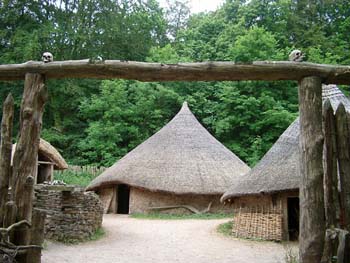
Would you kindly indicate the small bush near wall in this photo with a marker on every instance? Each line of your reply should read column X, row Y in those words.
column 73, row 215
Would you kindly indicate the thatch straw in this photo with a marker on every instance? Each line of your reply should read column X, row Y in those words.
column 182, row 158
column 278, row 170
column 50, row 152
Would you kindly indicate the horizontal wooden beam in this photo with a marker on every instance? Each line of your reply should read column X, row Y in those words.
column 201, row 71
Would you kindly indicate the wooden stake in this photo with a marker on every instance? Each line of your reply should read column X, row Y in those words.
column 343, row 142
column 36, row 236
column 330, row 182
column 10, row 213
column 5, row 153
column 25, row 157
column 330, row 167
column 312, row 223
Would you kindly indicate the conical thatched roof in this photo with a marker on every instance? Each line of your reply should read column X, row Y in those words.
column 50, row 152
column 182, row 158
column 278, row 170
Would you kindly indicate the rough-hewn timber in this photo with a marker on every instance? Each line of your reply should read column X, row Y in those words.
column 330, row 182
column 25, row 157
column 312, row 223
column 330, row 167
column 10, row 213
column 343, row 142
column 201, row 71
column 5, row 153
column 36, row 236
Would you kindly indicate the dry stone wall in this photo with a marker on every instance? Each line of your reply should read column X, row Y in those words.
column 72, row 213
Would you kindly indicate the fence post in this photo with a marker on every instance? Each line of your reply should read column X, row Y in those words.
column 5, row 153
column 312, row 224
column 330, row 181
column 343, row 143
column 25, row 157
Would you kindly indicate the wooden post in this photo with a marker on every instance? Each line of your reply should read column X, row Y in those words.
column 330, row 167
column 5, row 153
column 343, row 143
column 312, row 223
column 330, row 181
column 36, row 236
column 10, row 213
column 25, row 157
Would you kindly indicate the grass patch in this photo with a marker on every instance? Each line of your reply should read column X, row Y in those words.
column 155, row 216
column 99, row 233
column 74, row 178
column 225, row 228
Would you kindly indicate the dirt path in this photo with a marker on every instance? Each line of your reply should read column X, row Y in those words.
column 131, row 240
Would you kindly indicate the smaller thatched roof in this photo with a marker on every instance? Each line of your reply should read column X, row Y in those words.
column 278, row 170
column 50, row 152
column 181, row 158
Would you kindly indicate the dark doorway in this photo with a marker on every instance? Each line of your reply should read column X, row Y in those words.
column 123, row 199
column 293, row 218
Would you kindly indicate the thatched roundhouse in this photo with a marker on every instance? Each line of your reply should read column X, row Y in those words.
column 266, row 200
column 181, row 164
column 49, row 159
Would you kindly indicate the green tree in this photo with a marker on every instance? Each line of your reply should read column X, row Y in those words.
column 121, row 116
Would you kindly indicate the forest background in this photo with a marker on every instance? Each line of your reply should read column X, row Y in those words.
column 96, row 122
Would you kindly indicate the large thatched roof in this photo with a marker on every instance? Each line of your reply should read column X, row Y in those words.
column 182, row 158
column 278, row 170
column 50, row 152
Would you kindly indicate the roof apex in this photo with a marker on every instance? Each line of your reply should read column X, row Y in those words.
column 182, row 158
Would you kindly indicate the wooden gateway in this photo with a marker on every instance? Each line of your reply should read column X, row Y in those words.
column 180, row 165
column 266, row 199
column 310, row 77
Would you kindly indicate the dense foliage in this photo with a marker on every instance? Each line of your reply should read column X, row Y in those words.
column 97, row 122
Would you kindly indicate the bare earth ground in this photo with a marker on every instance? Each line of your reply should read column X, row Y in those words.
column 129, row 240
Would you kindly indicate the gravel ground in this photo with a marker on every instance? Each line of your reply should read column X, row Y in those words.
column 130, row 240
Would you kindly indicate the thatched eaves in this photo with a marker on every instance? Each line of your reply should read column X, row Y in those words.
column 181, row 158
column 278, row 170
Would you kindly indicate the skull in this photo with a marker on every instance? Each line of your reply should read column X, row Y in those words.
column 296, row 55
column 47, row 57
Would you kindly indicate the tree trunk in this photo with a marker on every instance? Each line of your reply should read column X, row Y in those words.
column 36, row 236
column 312, row 223
column 5, row 153
column 25, row 157
column 343, row 142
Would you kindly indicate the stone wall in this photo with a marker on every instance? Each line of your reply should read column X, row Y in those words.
column 141, row 200
column 72, row 213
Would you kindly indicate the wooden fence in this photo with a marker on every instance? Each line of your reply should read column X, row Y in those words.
column 336, row 183
column 95, row 170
